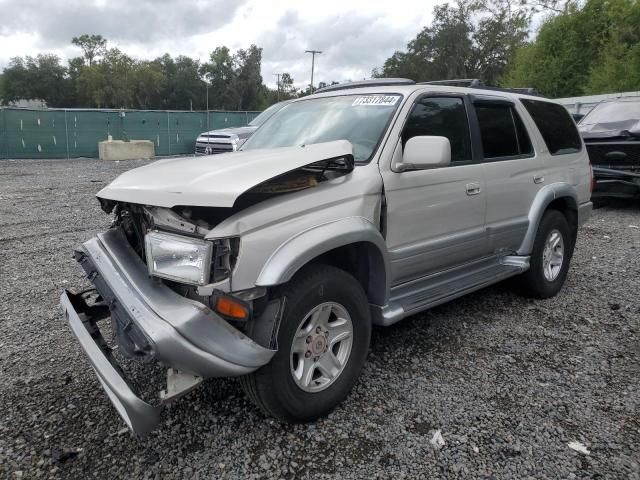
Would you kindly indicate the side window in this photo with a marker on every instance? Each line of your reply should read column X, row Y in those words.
column 502, row 132
column 556, row 126
column 443, row 117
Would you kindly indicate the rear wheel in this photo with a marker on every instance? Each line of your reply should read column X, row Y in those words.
column 323, row 341
column 552, row 251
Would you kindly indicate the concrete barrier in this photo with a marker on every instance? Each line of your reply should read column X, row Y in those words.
column 120, row 150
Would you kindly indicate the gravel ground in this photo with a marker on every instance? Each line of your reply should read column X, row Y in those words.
column 509, row 382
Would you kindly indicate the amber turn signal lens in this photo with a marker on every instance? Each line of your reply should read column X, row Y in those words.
column 231, row 308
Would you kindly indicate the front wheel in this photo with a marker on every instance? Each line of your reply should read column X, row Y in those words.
column 552, row 251
column 323, row 342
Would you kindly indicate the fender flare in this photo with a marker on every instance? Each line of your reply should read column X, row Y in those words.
column 544, row 197
column 304, row 247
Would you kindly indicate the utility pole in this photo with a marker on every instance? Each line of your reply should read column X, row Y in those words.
column 278, row 75
column 313, row 61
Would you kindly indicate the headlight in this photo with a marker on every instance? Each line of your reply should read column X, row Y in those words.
column 235, row 142
column 175, row 257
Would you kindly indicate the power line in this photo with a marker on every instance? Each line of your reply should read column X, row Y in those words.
column 313, row 61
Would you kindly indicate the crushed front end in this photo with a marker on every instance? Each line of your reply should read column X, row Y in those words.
column 156, row 317
column 616, row 167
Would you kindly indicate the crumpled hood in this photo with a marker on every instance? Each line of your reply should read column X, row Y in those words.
column 623, row 128
column 201, row 181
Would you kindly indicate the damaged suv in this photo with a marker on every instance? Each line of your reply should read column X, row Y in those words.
column 357, row 206
column 611, row 132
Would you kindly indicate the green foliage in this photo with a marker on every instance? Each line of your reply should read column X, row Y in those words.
column 91, row 45
column 471, row 39
column 109, row 78
column 588, row 49
column 42, row 77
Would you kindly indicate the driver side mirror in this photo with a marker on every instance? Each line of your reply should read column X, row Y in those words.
column 425, row 152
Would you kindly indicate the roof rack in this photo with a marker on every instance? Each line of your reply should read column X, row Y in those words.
column 456, row 82
column 477, row 83
column 376, row 82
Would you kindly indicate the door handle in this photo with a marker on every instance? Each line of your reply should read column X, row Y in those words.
column 538, row 178
column 473, row 188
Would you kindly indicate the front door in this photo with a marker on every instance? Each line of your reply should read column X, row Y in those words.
column 435, row 217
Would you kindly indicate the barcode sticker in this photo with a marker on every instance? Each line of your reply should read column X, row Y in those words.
column 376, row 100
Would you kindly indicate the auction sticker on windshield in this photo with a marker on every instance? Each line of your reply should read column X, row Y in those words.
column 376, row 100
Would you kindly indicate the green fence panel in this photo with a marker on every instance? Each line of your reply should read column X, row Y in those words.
column 184, row 128
column 4, row 153
column 228, row 119
column 75, row 133
column 87, row 128
column 147, row 125
column 35, row 134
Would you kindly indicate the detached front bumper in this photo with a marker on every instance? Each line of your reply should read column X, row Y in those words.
column 620, row 183
column 150, row 319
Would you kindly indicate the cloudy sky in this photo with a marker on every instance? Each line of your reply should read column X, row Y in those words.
column 354, row 35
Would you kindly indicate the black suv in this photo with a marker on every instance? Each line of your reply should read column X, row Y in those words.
column 611, row 132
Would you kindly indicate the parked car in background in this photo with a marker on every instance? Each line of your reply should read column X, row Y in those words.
column 611, row 132
column 360, row 205
column 231, row 139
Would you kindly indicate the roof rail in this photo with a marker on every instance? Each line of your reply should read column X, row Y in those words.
column 375, row 82
column 477, row 83
column 456, row 82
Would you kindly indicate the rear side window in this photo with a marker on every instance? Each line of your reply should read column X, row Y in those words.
column 556, row 126
column 502, row 132
column 443, row 117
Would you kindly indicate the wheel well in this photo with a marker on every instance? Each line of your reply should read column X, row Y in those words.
column 567, row 206
column 364, row 261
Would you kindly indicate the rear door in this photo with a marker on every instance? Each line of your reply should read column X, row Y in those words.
column 513, row 170
column 435, row 217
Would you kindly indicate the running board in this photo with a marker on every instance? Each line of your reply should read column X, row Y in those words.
column 427, row 292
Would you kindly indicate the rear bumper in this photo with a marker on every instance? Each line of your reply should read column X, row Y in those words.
column 150, row 319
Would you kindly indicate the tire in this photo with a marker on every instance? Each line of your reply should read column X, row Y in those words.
column 535, row 282
column 273, row 387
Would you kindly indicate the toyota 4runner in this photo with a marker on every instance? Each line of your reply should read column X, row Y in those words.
column 357, row 206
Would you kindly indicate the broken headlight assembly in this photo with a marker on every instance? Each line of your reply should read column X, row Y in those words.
column 190, row 260
column 179, row 258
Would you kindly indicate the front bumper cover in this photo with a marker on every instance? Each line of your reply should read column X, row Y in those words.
column 620, row 183
column 178, row 332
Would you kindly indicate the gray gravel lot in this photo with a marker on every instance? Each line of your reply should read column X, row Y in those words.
column 510, row 382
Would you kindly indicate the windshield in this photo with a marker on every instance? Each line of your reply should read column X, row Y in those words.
column 264, row 116
column 608, row 112
column 360, row 119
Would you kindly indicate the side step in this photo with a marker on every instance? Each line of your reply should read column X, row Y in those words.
column 423, row 293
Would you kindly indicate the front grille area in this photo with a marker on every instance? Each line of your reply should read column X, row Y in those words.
column 615, row 154
column 213, row 148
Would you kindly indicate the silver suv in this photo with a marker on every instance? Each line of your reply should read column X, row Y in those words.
column 231, row 139
column 357, row 206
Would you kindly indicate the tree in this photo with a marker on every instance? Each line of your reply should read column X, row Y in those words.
column 92, row 86
column 219, row 73
column 182, row 85
column 92, row 46
column 42, row 77
column 146, row 84
column 590, row 48
column 287, row 89
column 471, row 39
column 247, row 82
